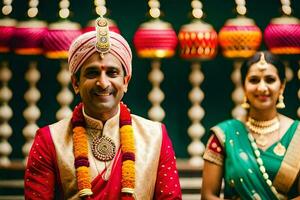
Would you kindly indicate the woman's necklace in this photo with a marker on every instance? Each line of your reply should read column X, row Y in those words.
column 262, row 129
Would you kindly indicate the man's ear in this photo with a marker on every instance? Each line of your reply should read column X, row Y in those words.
column 125, row 86
column 75, row 84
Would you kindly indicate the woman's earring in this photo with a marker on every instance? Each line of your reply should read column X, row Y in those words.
column 245, row 104
column 280, row 103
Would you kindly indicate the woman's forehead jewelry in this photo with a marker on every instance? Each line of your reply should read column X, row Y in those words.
column 262, row 63
column 102, row 35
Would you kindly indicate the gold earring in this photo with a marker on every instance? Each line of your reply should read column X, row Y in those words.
column 280, row 103
column 245, row 104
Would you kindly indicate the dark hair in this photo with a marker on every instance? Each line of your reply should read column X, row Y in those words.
column 270, row 58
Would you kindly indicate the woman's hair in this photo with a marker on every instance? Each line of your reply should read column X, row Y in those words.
column 270, row 58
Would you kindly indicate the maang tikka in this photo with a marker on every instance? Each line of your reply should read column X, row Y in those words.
column 102, row 36
column 262, row 63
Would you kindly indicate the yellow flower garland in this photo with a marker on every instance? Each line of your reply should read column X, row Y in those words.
column 80, row 142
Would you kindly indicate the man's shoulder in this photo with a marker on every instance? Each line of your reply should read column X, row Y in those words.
column 62, row 122
column 137, row 118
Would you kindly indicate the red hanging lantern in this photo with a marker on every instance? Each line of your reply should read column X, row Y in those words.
column 198, row 40
column 155, row 39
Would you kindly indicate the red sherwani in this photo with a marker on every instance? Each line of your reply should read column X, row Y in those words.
column 50, row 171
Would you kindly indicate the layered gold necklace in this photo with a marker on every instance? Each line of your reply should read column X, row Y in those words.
column 262, row 129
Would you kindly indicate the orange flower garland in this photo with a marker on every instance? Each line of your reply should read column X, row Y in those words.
column 80, row 142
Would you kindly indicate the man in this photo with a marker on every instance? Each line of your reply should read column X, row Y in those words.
column 102, row 151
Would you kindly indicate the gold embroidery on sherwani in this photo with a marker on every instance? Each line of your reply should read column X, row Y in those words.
column 290, row 165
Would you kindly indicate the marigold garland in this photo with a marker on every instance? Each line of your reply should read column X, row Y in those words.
column 80, row 142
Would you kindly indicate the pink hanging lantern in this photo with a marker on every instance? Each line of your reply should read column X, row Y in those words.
column 28, row 37
column 155, row 39
column 282, row 35
column 239, row 38
column 61, row 34
column 198, row 40
column 7, row 28
column 59, row 37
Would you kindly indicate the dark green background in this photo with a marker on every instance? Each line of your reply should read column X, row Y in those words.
column 217, row 85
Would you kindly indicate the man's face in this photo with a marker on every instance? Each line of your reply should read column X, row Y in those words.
column 101, row 85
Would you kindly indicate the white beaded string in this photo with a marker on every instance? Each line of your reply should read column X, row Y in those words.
column 241, row 7
column 261, row 165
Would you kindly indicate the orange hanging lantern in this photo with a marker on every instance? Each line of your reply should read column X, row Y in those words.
column 240, row 37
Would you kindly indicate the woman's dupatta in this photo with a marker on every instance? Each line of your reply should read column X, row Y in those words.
column 241, row 168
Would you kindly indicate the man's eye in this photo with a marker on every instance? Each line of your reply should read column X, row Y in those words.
column 91, row 74
column 112, row 73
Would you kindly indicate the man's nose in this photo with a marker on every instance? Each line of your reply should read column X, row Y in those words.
column 102, row 81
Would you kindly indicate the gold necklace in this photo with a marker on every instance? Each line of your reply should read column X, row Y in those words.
column 263, row 128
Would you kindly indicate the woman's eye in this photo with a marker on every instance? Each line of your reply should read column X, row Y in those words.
column 254, row 80
column 270, row 79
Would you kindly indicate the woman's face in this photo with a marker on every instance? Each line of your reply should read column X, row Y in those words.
column 263, row 86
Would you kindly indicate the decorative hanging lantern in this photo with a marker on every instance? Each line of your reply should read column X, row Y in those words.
column 7, row 27
column 198, row 41
column 101, row 10
column 27, row 40
column 239, row 38
column 28, row 36
column 61, row 34
column 155, row 39
column 56, row 44
column 282, row 35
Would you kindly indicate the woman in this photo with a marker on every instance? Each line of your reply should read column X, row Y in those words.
column 259, row 155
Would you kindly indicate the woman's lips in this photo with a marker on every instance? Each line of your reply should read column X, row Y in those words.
column 263, row 97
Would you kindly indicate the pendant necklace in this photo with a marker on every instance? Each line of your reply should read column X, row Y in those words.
column 279, row 149
column 103, row 147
